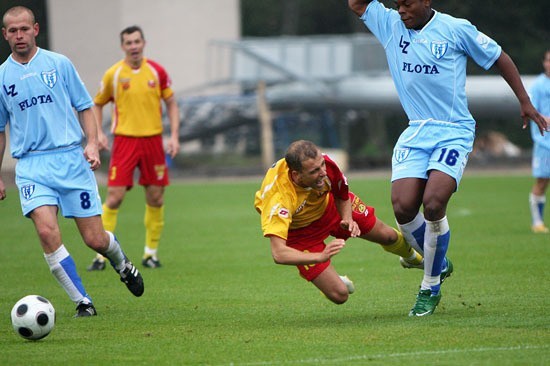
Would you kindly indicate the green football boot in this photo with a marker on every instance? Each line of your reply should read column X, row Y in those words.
column 425, row 303
column 447, row 271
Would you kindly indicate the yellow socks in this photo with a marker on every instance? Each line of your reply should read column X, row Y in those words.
column 403, row 249
column 109, row 219
column 154, row 224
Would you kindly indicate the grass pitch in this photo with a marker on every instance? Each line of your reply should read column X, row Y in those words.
column 220, row 299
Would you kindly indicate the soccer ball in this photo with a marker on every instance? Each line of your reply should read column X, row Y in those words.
column 33, row 317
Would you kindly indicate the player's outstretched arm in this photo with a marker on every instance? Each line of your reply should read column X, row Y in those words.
column 358, row 6
column 283, row 254
column 510, row 73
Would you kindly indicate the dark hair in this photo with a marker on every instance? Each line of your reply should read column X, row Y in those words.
column 129, row 30
column 300, row 151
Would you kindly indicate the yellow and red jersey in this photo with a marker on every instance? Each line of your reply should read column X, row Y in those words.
column 285, row 206
column 136, row 94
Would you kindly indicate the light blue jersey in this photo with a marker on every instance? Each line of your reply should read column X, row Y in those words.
column 37, row 99
column 428, row 66
column 540, row 97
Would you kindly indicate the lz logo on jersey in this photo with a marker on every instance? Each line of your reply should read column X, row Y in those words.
column 10, row 90
column 404, row 45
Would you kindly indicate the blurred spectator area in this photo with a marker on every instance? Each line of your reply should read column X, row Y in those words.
column 334, row 90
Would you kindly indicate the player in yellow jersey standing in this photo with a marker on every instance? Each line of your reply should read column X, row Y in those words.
column 304, row 198
column 136, row 85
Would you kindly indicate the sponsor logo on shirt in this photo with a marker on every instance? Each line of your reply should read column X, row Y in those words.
column 420, row 41
column 39, row 99
column 30, row 74
column 283, row 213
column 420, row 69
column 301, row 207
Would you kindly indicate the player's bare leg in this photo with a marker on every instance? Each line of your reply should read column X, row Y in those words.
column 332, row 286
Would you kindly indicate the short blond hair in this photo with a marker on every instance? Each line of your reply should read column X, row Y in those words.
column 16, row 10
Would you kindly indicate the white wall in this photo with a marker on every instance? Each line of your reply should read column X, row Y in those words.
column 177, row 34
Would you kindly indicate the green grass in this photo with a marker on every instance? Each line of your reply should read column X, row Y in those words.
column 220, row 299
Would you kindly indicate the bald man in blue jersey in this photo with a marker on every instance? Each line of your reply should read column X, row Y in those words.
column 427, row 53
column 40, row 90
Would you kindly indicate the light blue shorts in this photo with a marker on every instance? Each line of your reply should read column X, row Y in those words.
column 541, row 162
column 432, row 145
column 60, row 178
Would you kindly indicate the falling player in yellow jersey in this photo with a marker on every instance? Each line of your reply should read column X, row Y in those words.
column 136, row 86
column 304, row 198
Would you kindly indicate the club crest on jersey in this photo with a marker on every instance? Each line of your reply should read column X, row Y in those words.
column 401, row 155
column 49, row 77
column 439, row 48
column 27, row 191
column 125, row 82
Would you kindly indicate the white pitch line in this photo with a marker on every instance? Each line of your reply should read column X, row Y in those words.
column 387, row 355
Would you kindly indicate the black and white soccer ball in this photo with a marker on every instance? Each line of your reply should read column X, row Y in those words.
column 33, row 317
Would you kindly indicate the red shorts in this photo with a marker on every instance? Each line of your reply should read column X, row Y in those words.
column 145, row 153
column 312, row 238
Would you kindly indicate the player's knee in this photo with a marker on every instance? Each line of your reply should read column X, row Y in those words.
column 434, row 209
column 388, row 235
column 113, row 203
column 338, row 298
column 49, row 235
column 404, row 214
column 338, row 294
column 97, row 241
